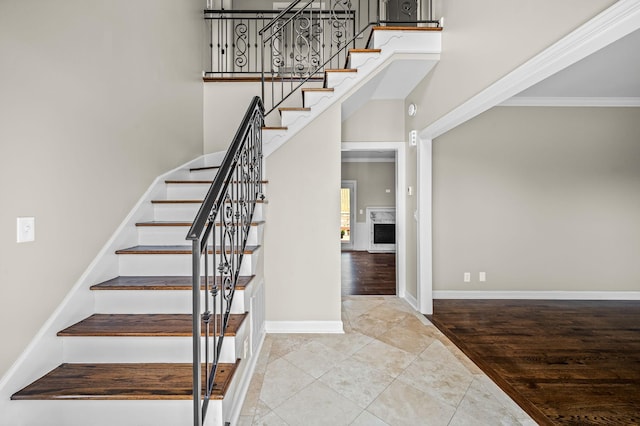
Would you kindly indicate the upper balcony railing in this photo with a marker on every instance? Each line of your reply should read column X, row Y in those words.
column 301, row 36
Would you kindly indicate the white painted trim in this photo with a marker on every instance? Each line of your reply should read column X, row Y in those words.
column 352, row 185
column 246, row 381
column 425, row 227
column 542, row 295
column 411, row 301
column 571, row 101
column 617, row 21
column 401, row 222
column 401, row 203
column 278, row 327
column 368, row 160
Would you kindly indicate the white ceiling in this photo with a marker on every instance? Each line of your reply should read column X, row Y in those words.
column 612, row 72
column 396, row 81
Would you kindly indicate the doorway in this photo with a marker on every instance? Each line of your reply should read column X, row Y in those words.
column 377, row 173
column 347, row 214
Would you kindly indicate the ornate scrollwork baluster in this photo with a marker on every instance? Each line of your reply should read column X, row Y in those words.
column 241, row 45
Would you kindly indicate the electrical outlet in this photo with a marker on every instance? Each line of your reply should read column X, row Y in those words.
column 482, row 276
column 467, row 277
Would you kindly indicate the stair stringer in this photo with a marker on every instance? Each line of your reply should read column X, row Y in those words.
column 395, row 45
column 46, row 351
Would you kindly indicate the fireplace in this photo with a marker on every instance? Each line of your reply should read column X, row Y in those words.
column 381, row 222
column 384, row 233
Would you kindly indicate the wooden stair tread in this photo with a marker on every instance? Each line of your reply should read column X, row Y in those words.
column 195, row 169
column 348, row 58
column 147, row 325
column 161, row 223
column 342, row 70
column 179, row 201
column 404, row 28
column 198, row 182
column 159, row 283
column 116, row 381
column 365, row 50
column 175, row 250
column 318, row 89
column 276, row 128
column 257, row 79
column 294, row 109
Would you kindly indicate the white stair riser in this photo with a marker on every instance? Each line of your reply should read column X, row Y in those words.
column 171, row 264
column 107, row 413
column 408, row 41
column 289, row 118
column 358, row 59
column 208, row 174
column 147, row 349
column 157, row 302
column 187, row 212
column 313, row 98
column 176, row 235
column 190, row 191
column 336, row 79
column 187, row 191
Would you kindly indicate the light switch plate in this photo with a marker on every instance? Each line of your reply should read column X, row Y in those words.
column 26, row 229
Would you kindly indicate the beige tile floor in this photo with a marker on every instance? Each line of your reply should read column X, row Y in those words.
column 391, row 367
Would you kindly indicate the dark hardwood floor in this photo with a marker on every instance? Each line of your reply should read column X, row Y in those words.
column 564, row 362
column 365, row 273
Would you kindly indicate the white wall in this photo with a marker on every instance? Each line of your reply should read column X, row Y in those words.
column 302, row 231
column 540, row 199
column 484, row 40
column 225, row 104
column 97, row 98
column 374, row 179
column 376, row 121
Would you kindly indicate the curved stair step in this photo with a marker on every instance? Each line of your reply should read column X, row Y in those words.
column 197, row 169
column 161, row 223
column 195, row 201
column 142, row 325
column 177, row 250
column 121, row 381
column 159, row 283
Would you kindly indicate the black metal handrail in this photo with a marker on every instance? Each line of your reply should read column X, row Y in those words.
column 229, row 205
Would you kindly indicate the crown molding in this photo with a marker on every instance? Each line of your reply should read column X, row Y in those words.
column 572, row 101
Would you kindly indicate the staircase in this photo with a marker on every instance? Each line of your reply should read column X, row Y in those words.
column 125, row 358
column 130, row 362
column 394, row 57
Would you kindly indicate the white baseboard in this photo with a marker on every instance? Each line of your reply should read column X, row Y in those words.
column 246, row 381
column 277, row 327
column 541, row 295
column 411, row 300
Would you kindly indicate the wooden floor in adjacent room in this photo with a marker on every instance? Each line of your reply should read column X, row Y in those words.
column 365, row 273
column 563, row 362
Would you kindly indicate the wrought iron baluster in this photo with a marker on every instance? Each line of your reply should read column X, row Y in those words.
column 226, row 203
